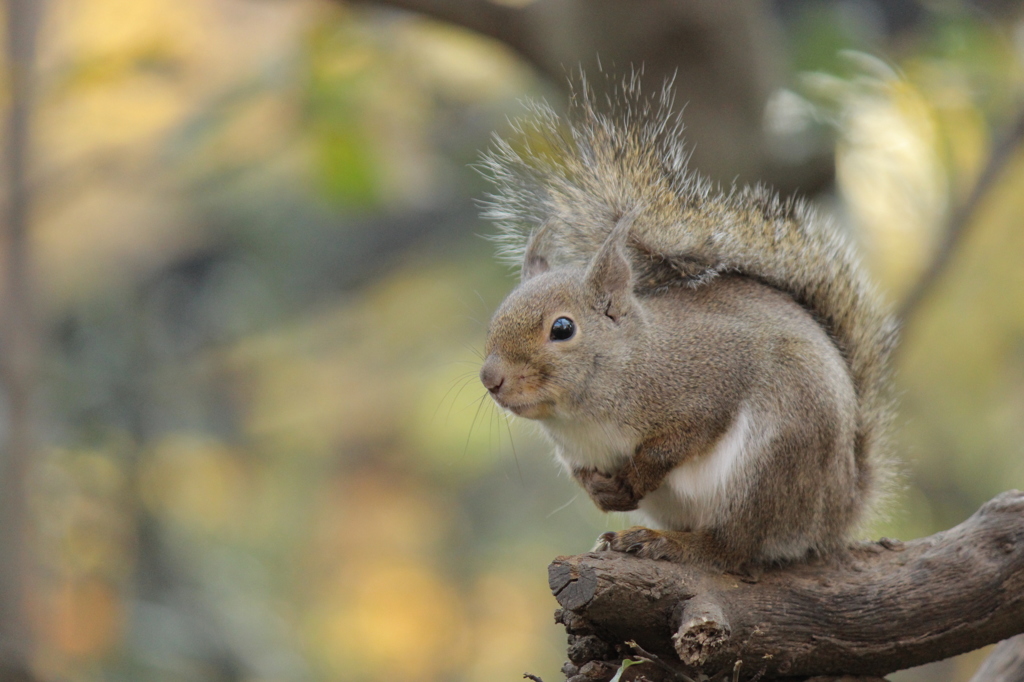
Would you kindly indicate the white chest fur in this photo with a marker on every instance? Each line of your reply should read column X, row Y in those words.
column 697, row 492
column 591, row 444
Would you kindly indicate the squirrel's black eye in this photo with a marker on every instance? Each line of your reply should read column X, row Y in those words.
column 562, row 329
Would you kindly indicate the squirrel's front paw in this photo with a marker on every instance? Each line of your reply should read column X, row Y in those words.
column 645, row 543
column 610, row 493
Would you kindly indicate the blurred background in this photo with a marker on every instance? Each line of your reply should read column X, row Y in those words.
column 244, row 291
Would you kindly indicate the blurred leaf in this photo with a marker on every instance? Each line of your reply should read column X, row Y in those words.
column 626, row 664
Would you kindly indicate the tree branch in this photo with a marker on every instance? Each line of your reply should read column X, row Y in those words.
column 881, row 607
column 725, row 59
column 961, row 218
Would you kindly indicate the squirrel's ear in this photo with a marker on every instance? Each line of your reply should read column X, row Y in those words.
column 609, row 275
column 534, row 260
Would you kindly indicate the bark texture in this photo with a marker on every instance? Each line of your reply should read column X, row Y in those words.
column 878, row 608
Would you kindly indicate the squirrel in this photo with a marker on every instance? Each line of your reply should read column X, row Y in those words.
column 717, row 360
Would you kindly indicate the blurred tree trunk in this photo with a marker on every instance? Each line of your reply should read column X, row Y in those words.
column 726, row 58
column 17, row 348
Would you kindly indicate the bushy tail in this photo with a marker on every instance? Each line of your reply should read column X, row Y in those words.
column 578, row 174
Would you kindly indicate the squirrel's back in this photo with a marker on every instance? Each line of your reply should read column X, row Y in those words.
column 567, row 181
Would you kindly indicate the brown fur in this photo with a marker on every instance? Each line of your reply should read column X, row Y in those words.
column 728, row 375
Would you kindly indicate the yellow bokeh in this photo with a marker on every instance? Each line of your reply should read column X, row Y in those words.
column 196, row 481
column 380, row 514
column 892, row 178
column 391, row 620
column 509, row 616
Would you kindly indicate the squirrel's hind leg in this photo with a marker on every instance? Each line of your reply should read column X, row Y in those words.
column 681, row 547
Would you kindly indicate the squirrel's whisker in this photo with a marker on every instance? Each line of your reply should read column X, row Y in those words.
column 469, row 436
column 503, row 417
column 461, row 381
column 471, row 403
column 473, row 350
column 564, row 506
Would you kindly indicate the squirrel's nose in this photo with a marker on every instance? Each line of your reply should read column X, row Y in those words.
column 491, row 378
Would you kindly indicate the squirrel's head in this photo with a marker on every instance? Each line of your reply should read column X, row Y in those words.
column 562, row 331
